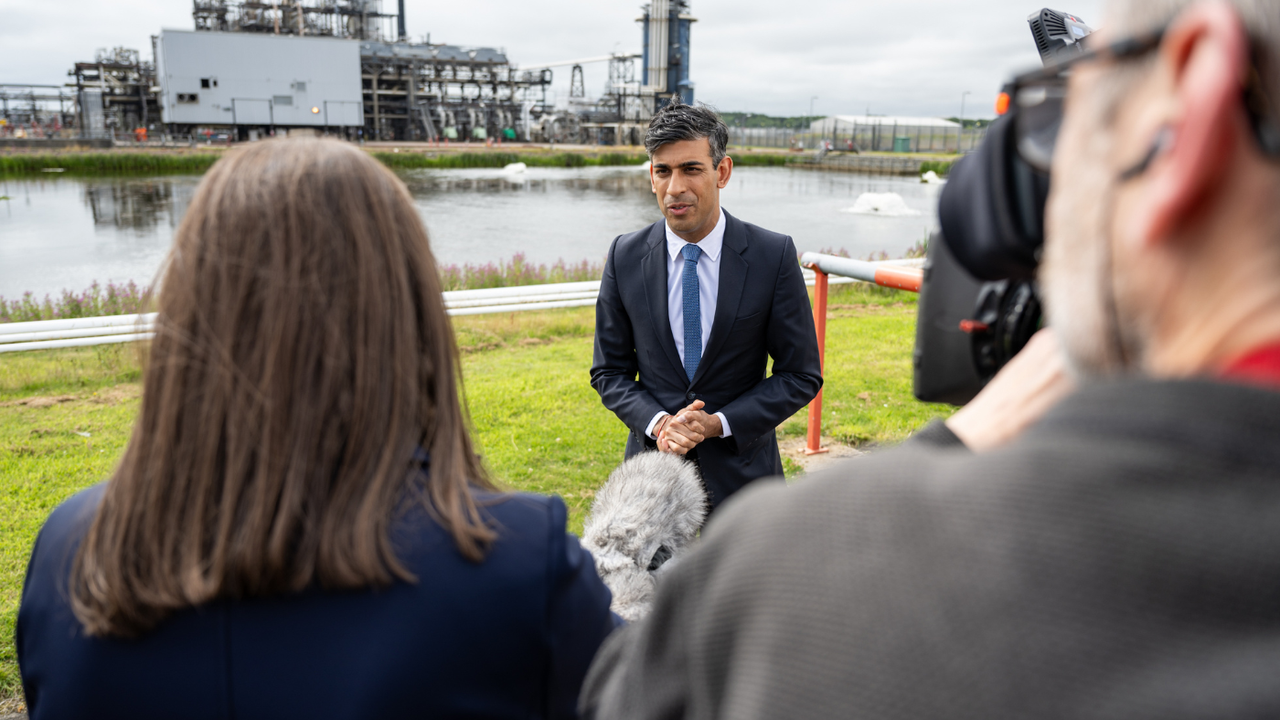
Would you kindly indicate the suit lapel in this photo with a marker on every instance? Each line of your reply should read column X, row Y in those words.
column 733, row 276
column 654, row 270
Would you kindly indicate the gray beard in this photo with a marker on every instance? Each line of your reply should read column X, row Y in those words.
column 1084, row 299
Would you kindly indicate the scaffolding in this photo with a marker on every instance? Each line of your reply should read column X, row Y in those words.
column 447, row 92
column 351, row 19
column 36, row 111
column 115, row 94
column 621, row 115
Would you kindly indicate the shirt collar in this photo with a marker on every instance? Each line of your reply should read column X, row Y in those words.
column 711, row 244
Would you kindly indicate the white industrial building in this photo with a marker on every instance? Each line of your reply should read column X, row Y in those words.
column 256, row 80
column 829, row 124
column 893, row 133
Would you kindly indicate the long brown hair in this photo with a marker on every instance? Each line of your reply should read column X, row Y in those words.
column 302, row 355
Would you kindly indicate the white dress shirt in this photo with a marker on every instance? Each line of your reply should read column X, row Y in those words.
column 708, row 268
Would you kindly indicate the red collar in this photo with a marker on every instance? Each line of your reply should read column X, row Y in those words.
column 1260, row 367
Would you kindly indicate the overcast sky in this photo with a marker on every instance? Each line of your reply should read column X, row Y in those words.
column 907, row 57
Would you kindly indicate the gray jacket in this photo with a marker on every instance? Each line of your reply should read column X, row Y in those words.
column 1120, row 560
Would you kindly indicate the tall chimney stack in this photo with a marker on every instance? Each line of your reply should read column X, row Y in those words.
column 402, row 33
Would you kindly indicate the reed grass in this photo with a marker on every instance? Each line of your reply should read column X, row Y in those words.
column 122, row 163
column 761, row 159
column 941, row 167
column 195, row 163
column 123, row 299
column 516, row 271
column 129, row 298
column 463, row 160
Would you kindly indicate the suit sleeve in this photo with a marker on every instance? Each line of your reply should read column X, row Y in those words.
column 792, row 343
column 578, row 615
column 615, row 368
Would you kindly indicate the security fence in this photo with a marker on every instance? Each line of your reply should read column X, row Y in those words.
column 872, row 137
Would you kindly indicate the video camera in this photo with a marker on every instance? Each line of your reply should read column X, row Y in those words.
column 980, row 303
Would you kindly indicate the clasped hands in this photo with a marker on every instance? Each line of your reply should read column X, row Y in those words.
column 683, row 431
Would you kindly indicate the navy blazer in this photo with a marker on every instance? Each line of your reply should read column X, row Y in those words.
column 762, row 312
column 510, row 637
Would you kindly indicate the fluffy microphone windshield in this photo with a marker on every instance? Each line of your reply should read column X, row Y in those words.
column 642, row 519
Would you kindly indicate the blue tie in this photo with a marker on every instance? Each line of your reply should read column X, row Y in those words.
column 692, row 310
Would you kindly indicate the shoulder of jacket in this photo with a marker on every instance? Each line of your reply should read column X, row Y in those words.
column 854, row 495
column 637, row 240
column 757, row 234
column 762, row 244
column 526, row 512
column 767, row 237
column 76, row 512
column 67, row 524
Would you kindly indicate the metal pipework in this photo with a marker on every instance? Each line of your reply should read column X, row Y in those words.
column 659, row 29
column 885, row 274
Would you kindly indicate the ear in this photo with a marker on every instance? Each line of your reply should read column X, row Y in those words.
column 723, row 172
column 1205, row 57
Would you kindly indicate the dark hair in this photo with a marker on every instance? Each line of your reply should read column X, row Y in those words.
column 302, row 357
column 677, row 121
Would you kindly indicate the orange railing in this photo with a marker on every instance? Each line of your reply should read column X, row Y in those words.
column 888, row 274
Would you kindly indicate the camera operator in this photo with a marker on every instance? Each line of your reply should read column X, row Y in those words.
column 1118, row 557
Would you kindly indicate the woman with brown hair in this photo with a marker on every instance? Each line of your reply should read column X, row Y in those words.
column 300, row 525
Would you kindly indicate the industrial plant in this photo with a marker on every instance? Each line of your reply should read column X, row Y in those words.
column 344, row 67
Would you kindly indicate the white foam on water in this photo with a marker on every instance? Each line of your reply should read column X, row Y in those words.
column 931, row 178
column 518, row 167
column 882, row 204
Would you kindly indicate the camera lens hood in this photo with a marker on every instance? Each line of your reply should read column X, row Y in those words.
column 992, row 208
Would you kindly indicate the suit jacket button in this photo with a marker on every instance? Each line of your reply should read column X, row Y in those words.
column 691, row 396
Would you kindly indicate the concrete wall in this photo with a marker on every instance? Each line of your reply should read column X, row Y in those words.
column 214, row 78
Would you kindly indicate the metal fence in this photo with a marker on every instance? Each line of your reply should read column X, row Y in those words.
column 76, row 332
column 762, row 137
column 863, row 138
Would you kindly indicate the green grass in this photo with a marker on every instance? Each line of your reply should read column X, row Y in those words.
column 413, row 160
column 82, row 370
column 941, row 167
column 44, row 458
column 537, row 421
column 747, row 159
column 155, row 163
column 116, row 163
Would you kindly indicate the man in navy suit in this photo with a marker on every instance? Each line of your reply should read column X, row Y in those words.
column 696, row 306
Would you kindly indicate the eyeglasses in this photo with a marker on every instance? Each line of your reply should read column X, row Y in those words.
column 1036, row 99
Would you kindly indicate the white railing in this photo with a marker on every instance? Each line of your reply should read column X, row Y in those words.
column 77, row 332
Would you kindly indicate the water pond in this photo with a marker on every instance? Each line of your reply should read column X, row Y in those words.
column 61, row 233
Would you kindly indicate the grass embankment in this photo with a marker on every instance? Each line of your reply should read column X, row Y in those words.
column 413, row 160
column 65, row 415
column 110, row 163
column 941, row 167
column 131, row 162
